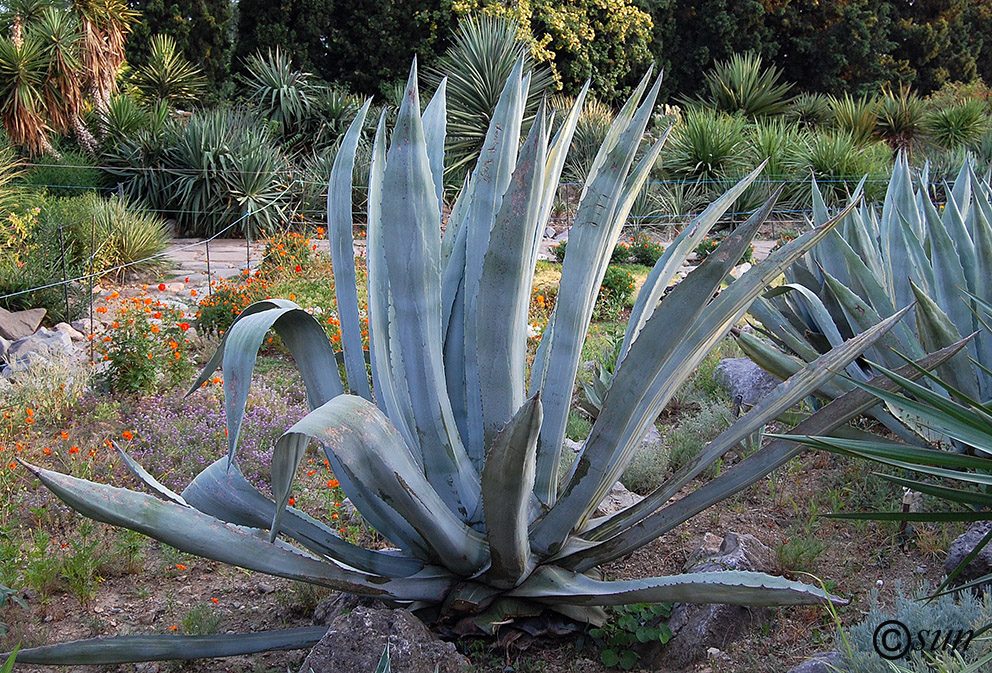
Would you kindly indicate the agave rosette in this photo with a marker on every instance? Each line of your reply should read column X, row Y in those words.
column 452, row 450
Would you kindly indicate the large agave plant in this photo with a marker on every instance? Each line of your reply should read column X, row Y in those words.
column 452, row 450
column 877, row 262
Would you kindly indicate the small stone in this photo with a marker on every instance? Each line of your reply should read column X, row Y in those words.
column 617, row 499
column 964, row 545
column 147, row 618
column 73, row 333
column 264, row 588
column 746, row 382
column 713, row 652
column 822, row 662
column 549, row 232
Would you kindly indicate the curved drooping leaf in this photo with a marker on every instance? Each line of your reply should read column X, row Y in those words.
column 224, row 493
column 131, row 649
column 371, row 460
column 556, row 585
column 305, row 339
column 192, row 531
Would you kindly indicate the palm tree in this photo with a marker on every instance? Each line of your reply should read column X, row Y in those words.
column 105, row 25
column 51, row 58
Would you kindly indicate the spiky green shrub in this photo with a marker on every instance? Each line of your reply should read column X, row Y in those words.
column 168, row 76
column 706, row 144
column 280, row 92
column 590, row 132
column 956, row 125
column 839, row 162
column 901, row 120
column 743, row 85
column 809, row 109
column 450, row 453
column 879, row 261
column 481, row 57
column 855, row 116
column 222, row 167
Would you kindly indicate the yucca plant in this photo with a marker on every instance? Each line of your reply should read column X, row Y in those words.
column 168, row 76
column 957, row 125
column 743, row 85
column 877, row 262
column 809, row 109
column 475, row 66
column 901, row 119
column 280, row 92
column 839, row 162
column 706, row 144
column 450, row 452
column 855, row 116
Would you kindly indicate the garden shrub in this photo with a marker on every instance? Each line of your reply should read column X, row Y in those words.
column 960, row 611
column 620, row 254
column 71, row 174
column 643, row 250
column 31, row 257
column 146, row 346
column 615, row 291
column 289, row 250
column 558, row 250
column 115, row 231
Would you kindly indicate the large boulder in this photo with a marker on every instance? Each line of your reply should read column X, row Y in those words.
column 44, row 343
column 700, row 628
column 962, row 546
column 745, row 381
column 355, row 642
column 16, row 325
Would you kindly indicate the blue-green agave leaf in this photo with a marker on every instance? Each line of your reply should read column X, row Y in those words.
column 192, row 531
column 369, row 452
column 507, row 489
column 340, row 221
column 225, row 494
column 131, row 649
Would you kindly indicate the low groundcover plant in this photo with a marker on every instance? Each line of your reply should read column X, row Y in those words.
column 450, row 452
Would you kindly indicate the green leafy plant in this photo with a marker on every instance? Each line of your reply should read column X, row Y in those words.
column 147, row 346
column 644, row 250
column 615, row 291
column 167, row 77
column 620, row 254
column 629, row 626
column 281, row 93
column 957, row 125
column 743, row 85
column 558, row 250
column 459, row 469
column 706, row 144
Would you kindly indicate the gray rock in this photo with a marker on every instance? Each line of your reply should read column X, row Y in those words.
column 697, row 628
column 562, row 236
column 573, row 445
column 4, row 346
column 44, row 343
column 355, row 642
column 20, row 324
column 337, row 605
column 549, row 232
column 964, row 545
column 617, row 499
column 73, row 333
column 746, row 382
column 822, row 662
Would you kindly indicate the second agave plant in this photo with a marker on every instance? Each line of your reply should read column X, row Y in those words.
column 449, row 445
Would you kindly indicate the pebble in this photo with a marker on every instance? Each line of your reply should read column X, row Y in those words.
column 265, row 588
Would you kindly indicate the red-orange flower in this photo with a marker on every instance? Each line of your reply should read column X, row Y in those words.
column 161, row 287
column 183, row 326
column 128, row 435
